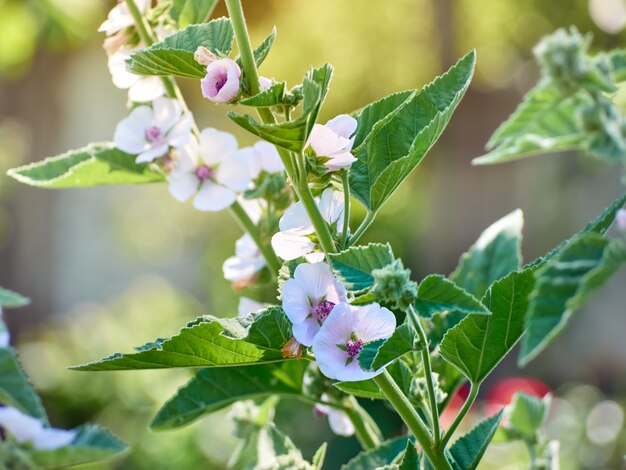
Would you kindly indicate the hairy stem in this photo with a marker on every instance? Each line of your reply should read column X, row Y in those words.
column 346, row 208
column 406, row 411
column 250, row 227
column 462, row 412
column 365, row 224
column 367, row 432
column 319, row 224
column 428, row 374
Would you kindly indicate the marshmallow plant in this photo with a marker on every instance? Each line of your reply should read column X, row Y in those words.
column 323, row 319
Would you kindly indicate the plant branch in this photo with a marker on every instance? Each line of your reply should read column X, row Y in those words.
column 428, row 374
column 319, row 224
column 367, row 432
column 346, row 208
column 462, row 412
column 365, row 224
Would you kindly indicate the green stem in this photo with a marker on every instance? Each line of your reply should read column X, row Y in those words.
column 428, row 374
column 459, row 417
column 250, row 227
column 367, row 432
column 346, row 208
column 406, row 411
column 365, row 224
column 319, row 224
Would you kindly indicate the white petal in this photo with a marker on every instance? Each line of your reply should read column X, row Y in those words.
column 254, row 163
column 234, row 172
column 180, row 134
column 21, row 426
column 331, row 207
column 319, row 283
column 374, row 322
column 305, row 331
column 183, row 185
column 51, row 438
column 340, row 161
column 253, row 207
column 146, row 89
column 245, row 247
column 167, row 112
column 295, row 220
column 315, row 257
column 296, row 303
column 340, row 423
column 187, row 157
column 268, row 157
column 151, row 153
column 247, row 306
column 5, row 339
column 325, row 142
column 213, row 197
column 344, row 126
column 130, row 133
column 216, row 145
column 121, row 77
column 239, row 269
column 288, row 246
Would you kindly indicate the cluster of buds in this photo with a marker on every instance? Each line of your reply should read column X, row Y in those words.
column 393, row 285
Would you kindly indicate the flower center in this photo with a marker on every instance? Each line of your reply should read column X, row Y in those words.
column 323, row 309
column 153, row 134
column 353, row 347
column 219, row 84
column 204, row 173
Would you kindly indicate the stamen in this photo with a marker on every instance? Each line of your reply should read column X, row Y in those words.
column 204, row 173
column 353, row 347
column 153, row 134
column 323, row 309
column 220, row 84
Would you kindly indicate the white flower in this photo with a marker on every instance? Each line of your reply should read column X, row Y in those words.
column 263, row 156
column 247, row 261
column 620, row 219
column 247, row 306
column 222, row 81
column 215, row 171
column 342, row 336
column 120, row 18
column 140, row 89
column 151, row 131
column 26, row 429
column 5, row 337
column 295, row 227
column 309, row 297
column 334, row 141
column 253, row 207
column 339, row 422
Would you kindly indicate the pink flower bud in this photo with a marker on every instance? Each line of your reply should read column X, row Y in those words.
column 620, row 219
column 222, row 81
column 264, row 83
column 204, row 56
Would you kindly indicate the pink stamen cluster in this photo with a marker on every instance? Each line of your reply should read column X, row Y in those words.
column 153, row 134
column 353, row 347
column 323, row 309
column 204, row 173
column 220, row 82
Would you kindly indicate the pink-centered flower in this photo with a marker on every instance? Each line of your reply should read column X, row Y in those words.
column 28, row 430
column 294, row 239
column 620, row 219
column 263, row 156
column 308, row 299
column 150, row 131
column 214, row 170
column 247, row 261
column 120, row 18
column 222, row 81
column 334, row 141
column 341, row 338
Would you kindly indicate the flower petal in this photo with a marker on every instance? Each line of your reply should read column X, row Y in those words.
column 374, row 322
column 130, row 133
column 234, row 172
column 306, row 331
column 146, row 89
column 183, row 185
column 151, row 153
column 216, row 145
column 288, row 246
column 325, row 142
column 344, row 126
column 340, row 161
column 51, row 438
column 21, row 426
column 239, row 269
column 180, row 134
column 167, row 112
column 319, row 283
column 331, row 207
column 269, row 159
column 296, row 302
column 213, row 197
column 296, row 221
column 340, row 423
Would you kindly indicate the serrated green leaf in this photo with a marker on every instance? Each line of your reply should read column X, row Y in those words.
column 388, row 156
column 15, row 388
column 175, row 54
column 318, row 458
column 273, row 96
column 94, row 165
column 187, row 12
column 495, row 254
column 477, row 344
column 564, row 284
column 410, row 459
column 354, row 266
column 379, row 353
column 213, row 389
column 526, row 414
column 469, row 449
column 91, row 444
column 437, row 294
column 10, row 299
column 263, row 49
column 382, row 455
column 398, row 370
column 210, row 342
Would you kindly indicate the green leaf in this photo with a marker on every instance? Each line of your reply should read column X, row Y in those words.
column 477, row 344
column 273, row 96
column 318, row 458
column 213, row 389
column 93, row 165
column 437, row 294
column 617, row 58
column 545, row 121
column 354, row 266
column 174, row 55
column 526, row 414
column 382, row 455
column 187, row 12
column 9, row 299
column 91, row 444
column 210, row 342
column 563, row 286
column 395, row 148
column 377, row 354
column 15, row 389
column 398, row 370
column 469, row 449
column 410, row 460
column 495, row 254
column 260, row 53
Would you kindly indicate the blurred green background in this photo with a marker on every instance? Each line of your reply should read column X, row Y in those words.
column 111, row 268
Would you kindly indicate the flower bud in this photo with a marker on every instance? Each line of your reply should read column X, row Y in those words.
column 222, row 81
column 291, row 349
column 393, row 285
column 204, row 56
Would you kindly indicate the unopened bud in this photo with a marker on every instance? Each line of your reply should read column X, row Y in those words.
column 292, row 349
column 393, row 284
column 204, row 56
